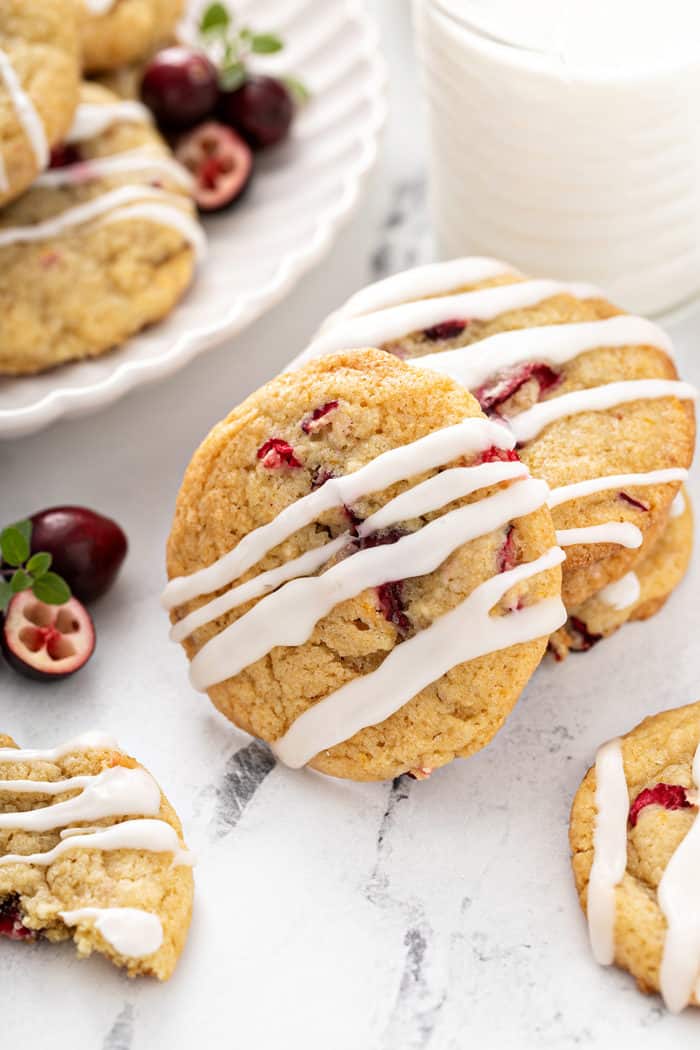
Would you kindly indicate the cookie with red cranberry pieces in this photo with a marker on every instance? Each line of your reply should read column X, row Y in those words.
column 39, row 81
column 634, row 839
column 90, row 849
column 591, row 394
column 361, row 571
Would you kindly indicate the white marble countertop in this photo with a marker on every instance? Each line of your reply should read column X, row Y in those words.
column 330, row 915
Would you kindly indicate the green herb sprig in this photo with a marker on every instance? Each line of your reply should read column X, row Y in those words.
column 20, row 570
column 238, row 42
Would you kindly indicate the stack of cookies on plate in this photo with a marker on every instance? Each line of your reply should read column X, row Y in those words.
column 98, row 233
column 372, row 553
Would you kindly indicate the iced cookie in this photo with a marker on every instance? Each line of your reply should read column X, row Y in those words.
column 639, row 594
column 39, row 80
column 103, row 244
column 635, row 842
column 91, row 849
column 120, row 32
column 362, row 573
column 591, row 395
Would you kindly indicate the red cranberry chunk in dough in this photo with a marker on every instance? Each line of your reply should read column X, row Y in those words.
column 507, row 554
column 391, row 605
column 277, row 453
column 318, row 418
column 498, row 455
column 580, row 638
column 670, row 796
column 491, row 395
column 64, row 154
column 638, row 503
column 445, row 330
column 11, row 924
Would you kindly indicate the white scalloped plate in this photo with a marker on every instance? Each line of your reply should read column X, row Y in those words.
column 301, row 195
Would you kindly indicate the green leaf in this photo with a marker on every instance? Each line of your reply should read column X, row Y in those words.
column 5, row 595
column 298, row 90
column 265, row 43
column 14, row 545
column 232, row 76
column 52, row 589
column 20, row 581
column 25, row 527
column 39, row 564
column 215, row 19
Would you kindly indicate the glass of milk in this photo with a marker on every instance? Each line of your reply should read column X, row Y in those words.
column 565, row 138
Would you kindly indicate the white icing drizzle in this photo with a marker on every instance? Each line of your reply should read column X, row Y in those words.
column 434, row 450
column 621, row 593
column 679, row 899
column 565, row 493
column 397, row 321
column 130, row 931
column 623, row 533
column 145, row 159
column 154, row 836
column 114, row 792
column 91, row 119
column 26, row 113
column 610, row 849
column 555, row 344
column 464, row 633
column 155, row 205
column 288, row 616
column 420, row 282
column 171, row 215
column 99, row 7
column 91, row 741
column 678, row 505
column 432, row 494
column 527, row 425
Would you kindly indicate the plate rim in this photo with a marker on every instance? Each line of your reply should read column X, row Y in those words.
column 72, row 402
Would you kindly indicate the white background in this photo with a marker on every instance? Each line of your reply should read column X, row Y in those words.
column 330, row 915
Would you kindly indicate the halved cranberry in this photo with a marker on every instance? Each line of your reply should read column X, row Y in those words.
column 220, row 161
column 63, row 155
column 445, row 330
column 262, row 110
column 11, row 924
column 507, row 555
column 180, row 86
column 46, row 642
column 670, row 796
column 493, row 394
column 276, row 453
column 318, row 418
column 498, row 455
column 639, row 504
column 580, row 638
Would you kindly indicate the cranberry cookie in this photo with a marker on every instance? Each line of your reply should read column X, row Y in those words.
column 103, row 244
column 116, row 33
column 635, row 841
column 638, row 595
column 91, row 849
column 362, row 573
column 591, row 395
column 39, row 80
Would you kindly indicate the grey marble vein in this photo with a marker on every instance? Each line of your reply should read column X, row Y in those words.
column 121, row 1034
column 245, row 771
column 404, row 238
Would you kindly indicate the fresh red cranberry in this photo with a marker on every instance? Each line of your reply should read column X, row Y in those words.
column 670, row 796
column 180, row 86
column 580, row 638
column 318, row 418
column 11, row 924
column 507, row 555
column 639, row 504
column 498, row 455
column 87, row 549
column 63, row 155
column 445, row 330
column 220, row 161
column 493, row 394
column 261, row 110
column 46, row 642
column 276, row 453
